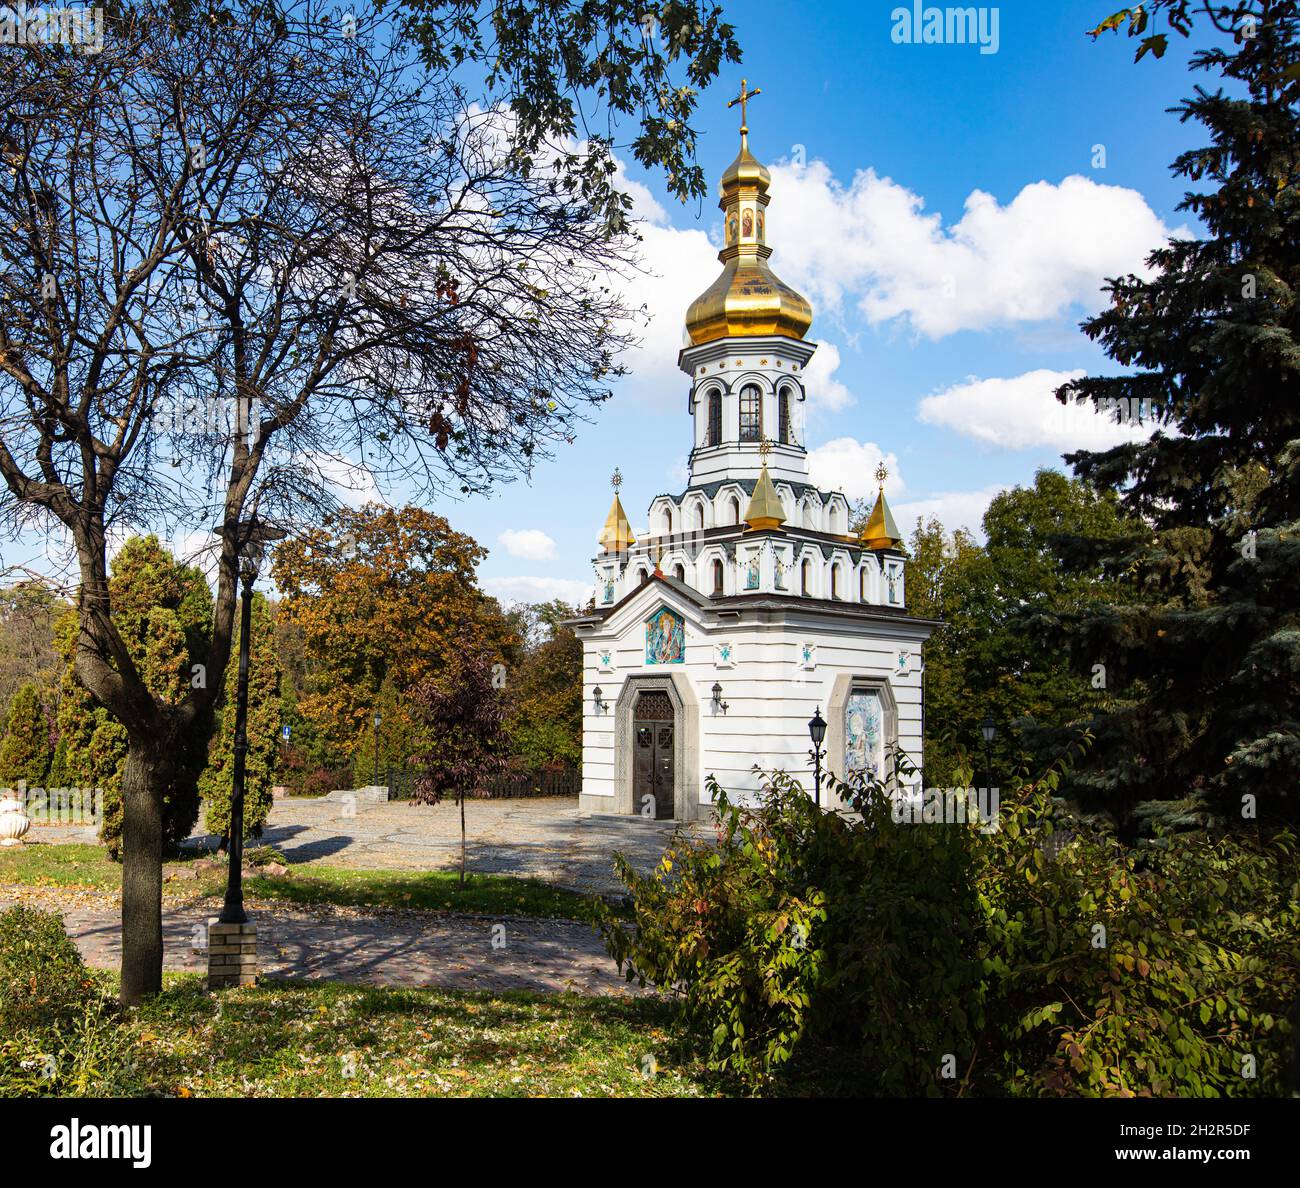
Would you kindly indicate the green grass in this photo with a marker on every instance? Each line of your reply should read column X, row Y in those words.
column 300, row 1039
column 88, row 866
column 60, row 866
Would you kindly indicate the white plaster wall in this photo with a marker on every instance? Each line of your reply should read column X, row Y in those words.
column 770, row 694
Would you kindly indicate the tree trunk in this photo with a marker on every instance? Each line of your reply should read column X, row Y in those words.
column 143, row 781
column 462, row 839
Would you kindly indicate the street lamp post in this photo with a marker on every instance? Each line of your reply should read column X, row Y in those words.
column 378, row 719
column 817, row 732
column 988, row 728
column 253, row 537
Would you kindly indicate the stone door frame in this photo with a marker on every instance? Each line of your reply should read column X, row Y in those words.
column 686, row 742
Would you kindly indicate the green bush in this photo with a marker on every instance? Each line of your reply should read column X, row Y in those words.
column 60, row 1033
column 901, row 959
column 43, row 981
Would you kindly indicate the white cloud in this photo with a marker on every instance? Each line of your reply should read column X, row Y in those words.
column 1020, row 412
column 538, row 589
column 872, row 244
column 953, row 509
column 824, row 390
column 532, row 544
column 848, row 465
column 348, row 481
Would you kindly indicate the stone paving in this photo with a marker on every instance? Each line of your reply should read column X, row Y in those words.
column 544, row 838
column 351, row 945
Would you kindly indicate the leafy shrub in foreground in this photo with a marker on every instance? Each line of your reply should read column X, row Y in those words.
column 43, row 981
column 944, row 959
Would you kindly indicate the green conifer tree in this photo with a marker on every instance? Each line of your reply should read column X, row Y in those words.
column 25, row 751
column 164, row 612
column 1204, row 662
column 263, row 729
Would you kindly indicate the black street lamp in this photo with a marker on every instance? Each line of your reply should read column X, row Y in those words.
column 378, row 720
column 817, row 732
column 252, row 536
column 988, row 728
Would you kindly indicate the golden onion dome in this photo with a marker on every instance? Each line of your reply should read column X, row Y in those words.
column 748, row 299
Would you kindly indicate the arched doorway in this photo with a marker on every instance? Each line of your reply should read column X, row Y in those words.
column 653, row 750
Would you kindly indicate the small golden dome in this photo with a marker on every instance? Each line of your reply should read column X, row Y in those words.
column 748, row 299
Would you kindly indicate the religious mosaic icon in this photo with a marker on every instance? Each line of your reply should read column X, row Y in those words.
column 748, row 227
column 780, row 572
column 609, row 591
column 864, row 734
column 891, row 580
column 724, row 655
column 665, row 638
column 751, row 573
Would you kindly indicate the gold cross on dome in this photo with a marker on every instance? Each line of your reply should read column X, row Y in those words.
column 616, row 479
column 764, row 448
column 743, row 99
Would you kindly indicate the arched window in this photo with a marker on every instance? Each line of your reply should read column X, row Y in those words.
column 715, row 419
column 681, row 577
column 751, row 413
column 645, row 577
column 717, row 579
column 735, row 510
column 835, row 582
column 806, row 575
column 833, row 518
column 668, row 523
column 862, row 585
column 699, row 516
column 783, row 416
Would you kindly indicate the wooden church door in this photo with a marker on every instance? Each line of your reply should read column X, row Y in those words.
column 653, row 729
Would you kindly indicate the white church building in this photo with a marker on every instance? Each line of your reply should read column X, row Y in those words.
column 750, row 605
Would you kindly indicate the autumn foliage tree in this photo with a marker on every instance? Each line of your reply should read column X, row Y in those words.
column 464, row 714
column 385, row 599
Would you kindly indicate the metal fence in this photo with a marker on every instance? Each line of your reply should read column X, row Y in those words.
column 402, row 781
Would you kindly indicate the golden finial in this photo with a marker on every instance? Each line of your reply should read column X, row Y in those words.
column 764, row 448
column 743, row 99
column 616, row 479
column 881, row 474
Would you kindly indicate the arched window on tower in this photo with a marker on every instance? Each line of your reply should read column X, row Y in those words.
column 835, row 581
column 699, row 517
column 681, row 576
column 668, row 522
column 751, row 413
column 715, row 419
column 805, row 579
column 735, row 510
column 717, row 579
column 783, row 416
column 862, row 585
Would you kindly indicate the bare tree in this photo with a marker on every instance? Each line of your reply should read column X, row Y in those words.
column 236, row 249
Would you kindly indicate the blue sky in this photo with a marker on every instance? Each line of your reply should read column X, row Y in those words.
column 948, row 214
column 935, row 123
